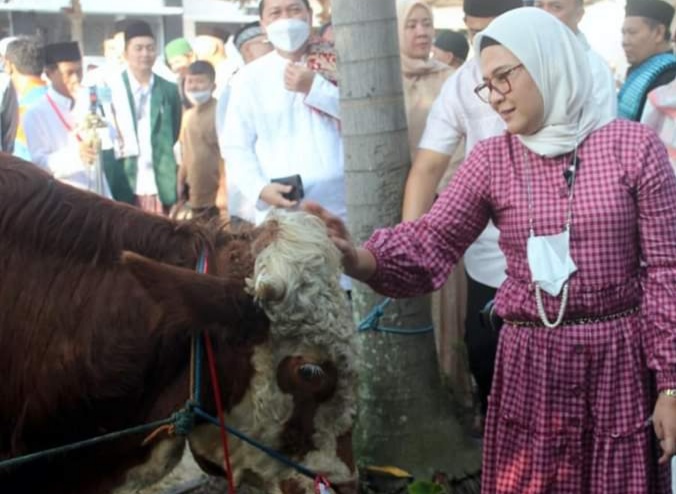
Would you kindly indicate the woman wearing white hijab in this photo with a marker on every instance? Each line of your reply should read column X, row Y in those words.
column 586, row 211
column 422, row 76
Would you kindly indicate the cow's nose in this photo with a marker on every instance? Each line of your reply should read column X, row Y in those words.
column 346, row 487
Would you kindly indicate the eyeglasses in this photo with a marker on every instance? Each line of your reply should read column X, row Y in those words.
column 499, row 83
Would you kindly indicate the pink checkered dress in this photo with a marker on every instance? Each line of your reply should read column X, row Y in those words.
column 570, row 407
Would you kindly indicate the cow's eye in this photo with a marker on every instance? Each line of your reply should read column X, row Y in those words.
column 310, row 372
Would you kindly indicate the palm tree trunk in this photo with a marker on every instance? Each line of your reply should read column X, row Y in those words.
column 76, row 17
column 405, row 417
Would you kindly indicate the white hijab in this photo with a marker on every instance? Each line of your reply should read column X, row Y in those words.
column 557, row 62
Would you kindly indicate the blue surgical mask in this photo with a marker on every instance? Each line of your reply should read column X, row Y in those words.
column 198, row 97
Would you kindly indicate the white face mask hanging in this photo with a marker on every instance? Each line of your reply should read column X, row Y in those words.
column 549, row 260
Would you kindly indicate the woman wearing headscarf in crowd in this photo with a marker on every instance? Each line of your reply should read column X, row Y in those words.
column 586, row 368
column 422, row 78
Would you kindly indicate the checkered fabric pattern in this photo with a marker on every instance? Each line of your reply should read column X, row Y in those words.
column 570, row 407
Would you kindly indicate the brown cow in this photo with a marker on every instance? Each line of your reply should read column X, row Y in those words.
column 90, row 345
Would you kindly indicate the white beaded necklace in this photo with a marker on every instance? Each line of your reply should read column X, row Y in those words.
column 531, row 231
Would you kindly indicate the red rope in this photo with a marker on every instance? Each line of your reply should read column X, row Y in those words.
column 219, row 407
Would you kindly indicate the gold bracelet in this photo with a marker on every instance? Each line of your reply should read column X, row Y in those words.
column 669, row 392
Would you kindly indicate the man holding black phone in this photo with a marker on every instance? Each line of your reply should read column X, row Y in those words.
column 281, row 137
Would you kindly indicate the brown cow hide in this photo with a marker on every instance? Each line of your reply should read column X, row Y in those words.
column 90, row 345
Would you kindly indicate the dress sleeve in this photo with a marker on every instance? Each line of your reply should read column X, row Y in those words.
column 324, row 96
column 656, row 196
column 416, row 257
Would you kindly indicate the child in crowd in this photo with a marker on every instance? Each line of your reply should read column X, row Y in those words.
column 201, row 178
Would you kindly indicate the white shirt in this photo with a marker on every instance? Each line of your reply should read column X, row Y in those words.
column 458, row 112
column 270, row 132
column 145, row 174
column 53, row 144
column 222, row 95
column 605, row 91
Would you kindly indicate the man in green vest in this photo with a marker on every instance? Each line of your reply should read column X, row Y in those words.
column 146, row 110
column 646, row 43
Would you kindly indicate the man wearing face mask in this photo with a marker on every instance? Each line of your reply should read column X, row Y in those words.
column 202, row 169
column 283, row 120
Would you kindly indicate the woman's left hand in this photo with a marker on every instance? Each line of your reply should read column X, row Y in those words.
column 664, row 422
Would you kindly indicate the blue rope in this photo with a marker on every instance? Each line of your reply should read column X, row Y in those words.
column 199, row 347
column 197, row 392
column 269, row 451
column 19, row 460
column 372, row 322
column 183, row 421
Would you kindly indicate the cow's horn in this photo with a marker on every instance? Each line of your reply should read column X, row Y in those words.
column 269, row 288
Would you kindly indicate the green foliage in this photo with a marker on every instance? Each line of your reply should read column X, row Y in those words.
column 425, row 487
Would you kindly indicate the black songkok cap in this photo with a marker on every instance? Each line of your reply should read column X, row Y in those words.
column 453, row 42
column 489, row 8
column 62, row 52
column 652, row 9
column 137, row 29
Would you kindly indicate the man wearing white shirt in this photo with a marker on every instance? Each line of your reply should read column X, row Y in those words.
column 146, row 111
column 51, row 124
column 283, row 120
column 458, row 113
column 252, row 44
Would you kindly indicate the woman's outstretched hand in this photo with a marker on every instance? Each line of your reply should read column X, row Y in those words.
column 358, row 263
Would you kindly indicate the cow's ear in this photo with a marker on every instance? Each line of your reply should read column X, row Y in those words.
column 188, row 296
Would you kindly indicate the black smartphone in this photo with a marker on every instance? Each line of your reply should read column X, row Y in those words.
column 297, row 193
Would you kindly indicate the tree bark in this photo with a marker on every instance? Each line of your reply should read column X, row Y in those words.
column 405, row 417
column 76, row 18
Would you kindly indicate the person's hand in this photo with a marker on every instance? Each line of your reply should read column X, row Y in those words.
column 337, row 233
column 272, row 195
column 298, row 78
column 664, row 422
column 88, row 152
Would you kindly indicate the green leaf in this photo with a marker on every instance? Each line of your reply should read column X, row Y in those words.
column 425, row 487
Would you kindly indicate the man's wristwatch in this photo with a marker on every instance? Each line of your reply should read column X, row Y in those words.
column 669, row 392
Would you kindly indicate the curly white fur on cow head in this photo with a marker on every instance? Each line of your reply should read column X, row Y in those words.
column 299, row 264
column 310, row 355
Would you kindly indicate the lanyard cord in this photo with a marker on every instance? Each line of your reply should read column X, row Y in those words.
column 542, row 313
column 68, row 127
column 529, row 191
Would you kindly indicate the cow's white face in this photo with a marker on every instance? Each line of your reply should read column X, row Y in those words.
column 294, row 406
column 301, row 400
column 294, row 384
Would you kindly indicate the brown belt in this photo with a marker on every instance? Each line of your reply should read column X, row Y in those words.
column 578, row 321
